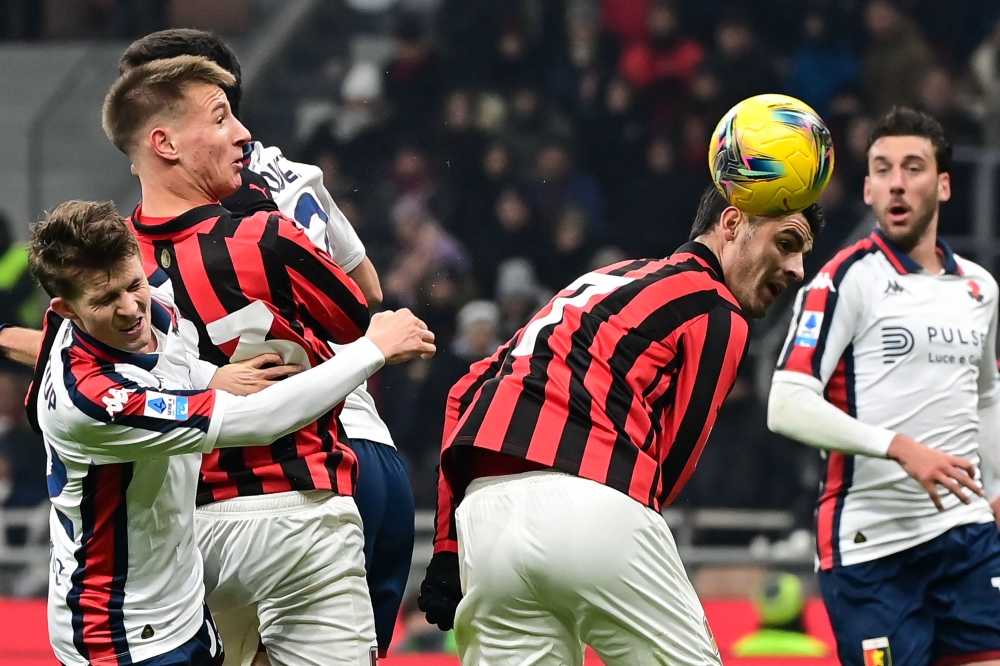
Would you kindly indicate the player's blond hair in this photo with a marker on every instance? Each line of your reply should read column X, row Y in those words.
column 154, row 91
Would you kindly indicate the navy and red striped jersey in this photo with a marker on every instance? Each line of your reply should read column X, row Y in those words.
column 618, row 379
column 124, row 436
column 247, row 286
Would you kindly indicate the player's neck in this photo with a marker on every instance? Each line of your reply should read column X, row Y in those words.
column 925, row 251
column 170, row 197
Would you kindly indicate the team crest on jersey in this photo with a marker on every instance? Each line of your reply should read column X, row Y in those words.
column 876, row 651
column 809, row 325
column 164, row 406
column 823, row 281
column 975, row 291
column 115, row 400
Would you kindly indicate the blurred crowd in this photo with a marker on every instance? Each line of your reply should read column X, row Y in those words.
column 492, row 152
column 489, row 152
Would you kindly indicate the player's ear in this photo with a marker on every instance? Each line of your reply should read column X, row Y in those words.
column 944, row 186
column 162, row 143
column 868, row 191
column 729, row 221
column 62, row 308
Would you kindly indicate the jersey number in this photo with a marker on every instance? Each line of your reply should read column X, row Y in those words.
column 585, row 287
column 251, row 325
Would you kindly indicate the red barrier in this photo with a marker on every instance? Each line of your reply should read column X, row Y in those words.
column 24, row 636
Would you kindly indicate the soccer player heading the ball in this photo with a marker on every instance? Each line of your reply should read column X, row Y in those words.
column 890, row 367
column 561, row 449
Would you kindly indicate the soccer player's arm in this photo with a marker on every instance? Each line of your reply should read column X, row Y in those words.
column 330, row 302
column 20, row 345
column 461, row 395
column 826, row 317
column 119, row 420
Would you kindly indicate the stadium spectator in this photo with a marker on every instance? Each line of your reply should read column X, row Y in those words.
column 985, row 68
column 22, row 455
column 19, row 296
column 650, row 218
column 511, row 231
column 665, row 62
column 896, row 58
column 742, row 65
column 477, row 325
column 519, row 294
column 556, row 183
column 413, row 79
column 822, row 66
column 531, row 120
column 613, row 137
column 938, row 98
column 425, row 249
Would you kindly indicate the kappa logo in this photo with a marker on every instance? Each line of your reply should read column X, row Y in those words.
column 823, row 281
column 876, row 651
column 115, row 400
column 975, row 292
column 894, row 288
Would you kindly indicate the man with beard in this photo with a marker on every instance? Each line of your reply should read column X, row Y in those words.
column 889, row 366
column 561, row 449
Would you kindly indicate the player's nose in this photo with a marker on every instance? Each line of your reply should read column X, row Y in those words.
column 896, row 180
column 795, row 266
column 242, row 133
column 128, row 306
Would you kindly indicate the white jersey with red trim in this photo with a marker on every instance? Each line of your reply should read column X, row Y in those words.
column 299, row 193
column 911, row 352
column 124, row 434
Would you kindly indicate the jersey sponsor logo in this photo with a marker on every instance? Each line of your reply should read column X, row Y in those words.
column 876, row 651
column 115, row 400
column 896, row 342
column 975, row 292
column 167, row 407
column 808, row 333
column 823, row 281
column 893, row 287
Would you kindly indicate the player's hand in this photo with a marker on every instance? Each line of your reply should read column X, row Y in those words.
column 995, row 505
column 931, row 467
column 441, row 590
column 250, row 376
column 400, row 336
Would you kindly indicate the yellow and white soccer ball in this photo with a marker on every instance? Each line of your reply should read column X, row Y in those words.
column 771, row 155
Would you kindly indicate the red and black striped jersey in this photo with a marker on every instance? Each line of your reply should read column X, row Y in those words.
column 618, row 379
column 249, row 286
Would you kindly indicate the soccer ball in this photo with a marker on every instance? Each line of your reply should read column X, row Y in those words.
column 771, row 155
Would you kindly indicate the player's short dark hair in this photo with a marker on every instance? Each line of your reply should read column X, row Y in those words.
column 904, row 121
column 77, row 238
column 712, row 204
column 153, row 89
column 187, row 41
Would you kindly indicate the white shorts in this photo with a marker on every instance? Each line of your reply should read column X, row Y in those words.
column 291, row 567
column 550, row 562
